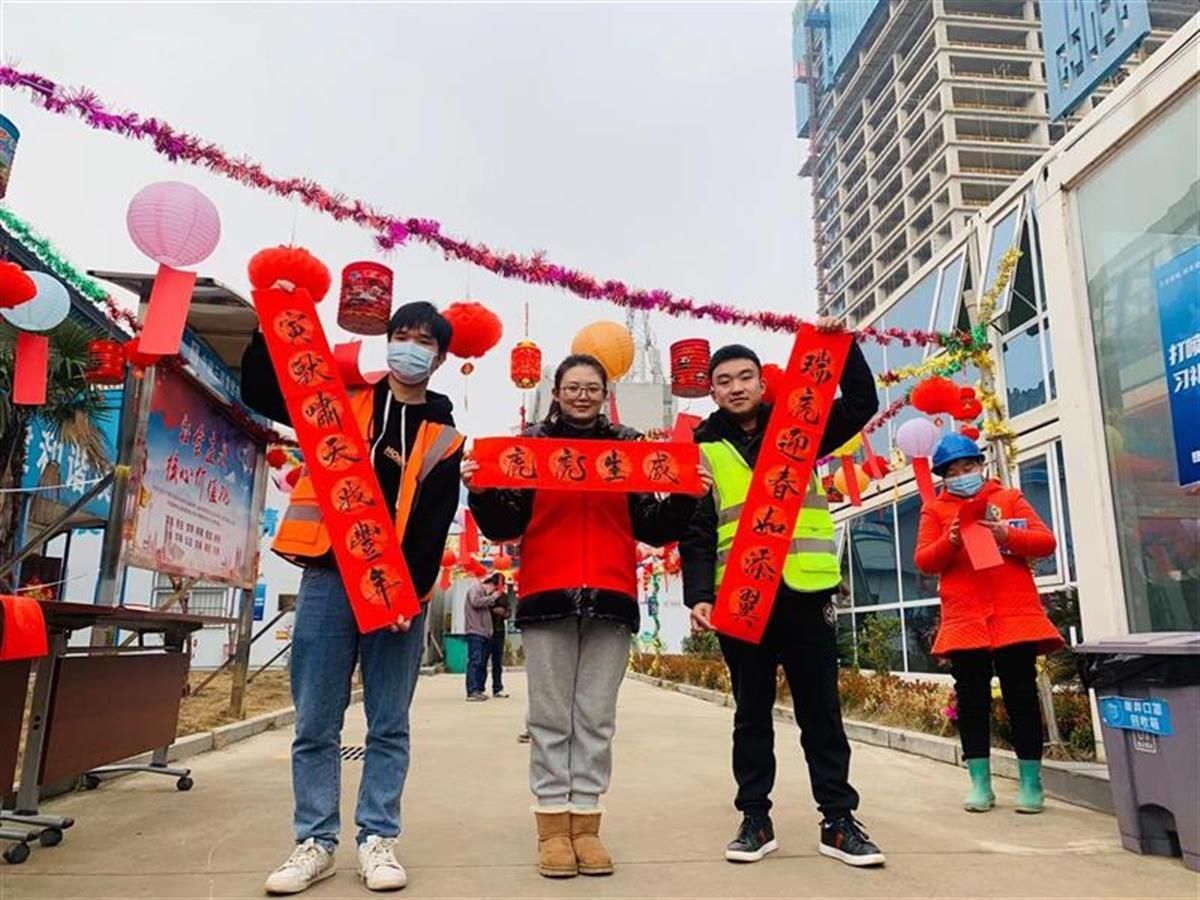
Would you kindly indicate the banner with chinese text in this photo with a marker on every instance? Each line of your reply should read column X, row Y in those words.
column 782, row 476
column 585, row 465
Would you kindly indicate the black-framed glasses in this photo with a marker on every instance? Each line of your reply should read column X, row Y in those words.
column 591, row 391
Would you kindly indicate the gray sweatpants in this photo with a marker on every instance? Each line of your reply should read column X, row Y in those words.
column 574, row 668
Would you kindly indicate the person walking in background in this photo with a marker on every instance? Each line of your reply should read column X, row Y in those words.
column 479, row 628
column 413, row 445
column 993, row 618
column 801, row 633
column 578, row 611
column 501, row 607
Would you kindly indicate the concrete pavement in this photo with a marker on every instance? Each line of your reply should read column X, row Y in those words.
column 469, row 832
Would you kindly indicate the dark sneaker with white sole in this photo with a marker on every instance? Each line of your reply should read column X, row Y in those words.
column 843, row 838
column 755, row 839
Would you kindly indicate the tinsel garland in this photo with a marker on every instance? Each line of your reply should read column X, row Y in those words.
column 391, row 231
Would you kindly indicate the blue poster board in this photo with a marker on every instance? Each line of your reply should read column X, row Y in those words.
column 1177, row 292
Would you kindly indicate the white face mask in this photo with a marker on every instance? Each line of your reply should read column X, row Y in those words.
column 410, row 362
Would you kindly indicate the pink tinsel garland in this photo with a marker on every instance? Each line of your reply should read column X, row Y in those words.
column 391, row 231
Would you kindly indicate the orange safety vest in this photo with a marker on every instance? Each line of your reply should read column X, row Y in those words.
column 302, row 536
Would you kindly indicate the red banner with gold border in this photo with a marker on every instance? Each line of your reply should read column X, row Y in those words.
column 782, row 476
column 661, row 467
column 336, row 458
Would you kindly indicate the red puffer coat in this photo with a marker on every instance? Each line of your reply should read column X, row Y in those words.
column 993, row 607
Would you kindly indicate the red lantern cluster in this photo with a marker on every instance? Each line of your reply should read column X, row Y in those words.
column 937, row 395
column 525, row 365
column 137, row 358
column 365, row 302
column 689, row 367
column 106, row 362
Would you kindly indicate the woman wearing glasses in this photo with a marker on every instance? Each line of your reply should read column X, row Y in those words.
column 577, row 609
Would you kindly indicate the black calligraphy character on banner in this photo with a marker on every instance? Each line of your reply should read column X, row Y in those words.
column 805, row 405
column 748, row 599
column 782, row 482
column 794, row 444
column 376, row 584
column 308, row 369
column 364, row 539
column 323, row 411
column 766, row 522
column 335, row 453
column 517, row 462
column 757, row 564
column 350, row 494
column 817, row 365
column 294, row 327
column 569, row 465
column 614, row 466
column 660, row 466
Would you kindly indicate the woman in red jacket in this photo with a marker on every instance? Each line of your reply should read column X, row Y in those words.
column 991, row 618
column 577, row 610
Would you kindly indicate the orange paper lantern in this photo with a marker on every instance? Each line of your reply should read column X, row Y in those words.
column 839, row 480
column 610, row 343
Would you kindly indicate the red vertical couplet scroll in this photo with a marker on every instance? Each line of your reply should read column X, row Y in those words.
column 337, row 460
column 782, row 476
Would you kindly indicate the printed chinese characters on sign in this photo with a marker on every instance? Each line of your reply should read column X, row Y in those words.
column 552, row 464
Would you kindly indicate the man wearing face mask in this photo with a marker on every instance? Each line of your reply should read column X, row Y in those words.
column 416, row 455
column 991, row 618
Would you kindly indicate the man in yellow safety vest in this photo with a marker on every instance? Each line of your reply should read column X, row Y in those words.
column 801, row 633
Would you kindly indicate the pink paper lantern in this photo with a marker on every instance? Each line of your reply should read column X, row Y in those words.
column 917, row 437
column 173, row 224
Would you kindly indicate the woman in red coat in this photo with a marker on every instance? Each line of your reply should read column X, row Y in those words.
column 991, row 618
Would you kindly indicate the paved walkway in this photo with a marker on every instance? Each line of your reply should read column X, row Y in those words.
column 470, row 832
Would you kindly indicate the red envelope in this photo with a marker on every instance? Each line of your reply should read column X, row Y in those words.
column 981, row 547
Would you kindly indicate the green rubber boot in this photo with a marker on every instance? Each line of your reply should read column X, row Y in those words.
column 981, row 798
column 1030, row 797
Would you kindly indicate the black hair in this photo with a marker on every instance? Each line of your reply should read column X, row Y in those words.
column 575, row 359
column 730, row 352
column 422, row 315
column 494, row 578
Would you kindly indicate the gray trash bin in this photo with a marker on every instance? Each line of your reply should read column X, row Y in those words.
column 1148, row 695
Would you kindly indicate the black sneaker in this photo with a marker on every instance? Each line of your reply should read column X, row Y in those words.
column 843, row 838
column 755, row 839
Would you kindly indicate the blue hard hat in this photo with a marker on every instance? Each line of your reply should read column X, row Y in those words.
column 952, row 447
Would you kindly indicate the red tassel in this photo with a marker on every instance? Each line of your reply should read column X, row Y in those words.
column 924, row 479
column 29, row 368
column 612, row 407
column 851, row 478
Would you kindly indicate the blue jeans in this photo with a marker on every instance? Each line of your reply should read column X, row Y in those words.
column 325, row 646
column 478, row 647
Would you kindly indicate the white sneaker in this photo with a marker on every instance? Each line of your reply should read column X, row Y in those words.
column 308, row 864
column 377, row 864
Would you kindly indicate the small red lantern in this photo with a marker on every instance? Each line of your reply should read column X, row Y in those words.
column 448, row 558
column 106, row 362
column 502, row 563
column 772, row 376
column 689, row 367
column 276, row 457
column 365, row 304
column 525, row 365
column 137, row 358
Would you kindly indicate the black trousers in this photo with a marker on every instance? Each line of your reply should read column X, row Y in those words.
column 801, row 636
column 1015, row 665
column 496, row 655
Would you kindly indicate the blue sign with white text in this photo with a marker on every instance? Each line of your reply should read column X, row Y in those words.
column 1131, row 714
column 1084, row 41
column 1177, row 292
column 260, row 602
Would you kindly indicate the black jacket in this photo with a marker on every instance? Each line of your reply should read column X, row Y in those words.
column 851, row 411
column 503, row 515
column 437, row 496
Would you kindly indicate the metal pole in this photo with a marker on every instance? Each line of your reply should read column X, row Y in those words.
column 241, row 658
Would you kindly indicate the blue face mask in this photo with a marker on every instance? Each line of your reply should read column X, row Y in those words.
column 967, row 485
column 410, row 362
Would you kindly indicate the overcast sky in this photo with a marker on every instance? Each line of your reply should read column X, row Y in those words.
column 653, row 143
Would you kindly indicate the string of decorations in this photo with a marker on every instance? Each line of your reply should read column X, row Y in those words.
column 393, row 231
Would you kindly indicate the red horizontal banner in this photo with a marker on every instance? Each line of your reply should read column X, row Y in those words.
column 583, row 465
column 337, row 460
column 782, row 476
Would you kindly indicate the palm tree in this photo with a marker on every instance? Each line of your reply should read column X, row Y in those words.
column 69, row 411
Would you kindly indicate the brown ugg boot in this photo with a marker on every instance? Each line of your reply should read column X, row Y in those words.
column 556, row 855
column 591, row 854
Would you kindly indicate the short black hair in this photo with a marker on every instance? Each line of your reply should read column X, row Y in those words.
column 732, row 351
column 580, row 359
column 494, row 578
column 420, row 314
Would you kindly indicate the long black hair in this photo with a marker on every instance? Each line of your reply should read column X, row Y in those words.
column 575, row 359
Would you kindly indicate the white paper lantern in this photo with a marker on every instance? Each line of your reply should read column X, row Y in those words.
column 49, row 306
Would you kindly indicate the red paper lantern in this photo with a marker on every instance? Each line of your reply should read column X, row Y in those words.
column 476, row 328
column 772, row 376
column 365, row 304
column 969, row 431
column 968, row 410
column 689, row 367
column 276, row 457
column 448, row 558
column 294, row 265
column 525, row 365
column 502, row 563
column 16, row 287
column 936, row 395
column 137, row 358
column 876, row 467
column 106, row 362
